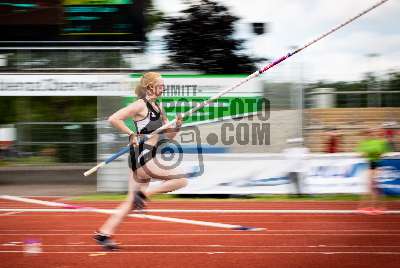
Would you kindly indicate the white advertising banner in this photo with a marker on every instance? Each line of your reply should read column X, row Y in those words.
column 231, row 174
column 228, row 173
column 42, row 84
column 114, row 84
column 206, row 85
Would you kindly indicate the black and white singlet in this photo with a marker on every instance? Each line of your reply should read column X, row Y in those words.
column 151, row 122
column 141, row 154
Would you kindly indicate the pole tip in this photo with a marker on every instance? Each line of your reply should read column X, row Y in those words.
column 246, row 228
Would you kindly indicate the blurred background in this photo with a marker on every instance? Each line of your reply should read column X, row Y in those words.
column 66, row 65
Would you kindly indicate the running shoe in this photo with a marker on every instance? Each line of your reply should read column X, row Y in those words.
column 105, row 241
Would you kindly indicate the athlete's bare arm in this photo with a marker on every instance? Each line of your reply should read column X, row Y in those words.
column 134, row 110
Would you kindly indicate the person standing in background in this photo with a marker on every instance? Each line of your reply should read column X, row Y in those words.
column 332, row 143
column 296, row 154
column 372, row 148
column 388, row 132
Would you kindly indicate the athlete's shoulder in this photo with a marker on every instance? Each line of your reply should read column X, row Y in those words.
column 140, row 100
column 139, row 103
column 136, row 107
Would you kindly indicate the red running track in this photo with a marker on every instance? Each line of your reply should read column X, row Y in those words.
column 291, row 240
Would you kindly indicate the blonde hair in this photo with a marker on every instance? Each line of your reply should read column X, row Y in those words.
column 147, row 80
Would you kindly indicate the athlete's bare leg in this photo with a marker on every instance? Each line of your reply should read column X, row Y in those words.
column 172, row 178
column 112, row 223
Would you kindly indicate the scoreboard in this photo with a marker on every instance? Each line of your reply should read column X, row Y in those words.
column 72, row 20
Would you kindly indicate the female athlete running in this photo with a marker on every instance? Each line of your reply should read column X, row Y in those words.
column 147, row 116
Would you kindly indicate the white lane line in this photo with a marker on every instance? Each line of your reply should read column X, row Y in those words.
column 33, row 201
column 108, row 211
column 266, row 211
column 140, row 216
column 100, row 220
column 11, row 213
column 209, row 234
column 213, row 252
column 202, row 230
column 212, row 246
column 215, row 211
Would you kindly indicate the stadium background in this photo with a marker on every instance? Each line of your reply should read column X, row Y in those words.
column 66, row 65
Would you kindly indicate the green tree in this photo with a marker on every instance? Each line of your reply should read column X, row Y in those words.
column 369, row 82
column 202, row 39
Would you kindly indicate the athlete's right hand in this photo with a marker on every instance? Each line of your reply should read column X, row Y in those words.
column 133, row 139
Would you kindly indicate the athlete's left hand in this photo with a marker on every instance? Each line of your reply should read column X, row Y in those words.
column 179, row 121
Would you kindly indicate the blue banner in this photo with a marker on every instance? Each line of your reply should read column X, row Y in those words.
column 389, row 176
